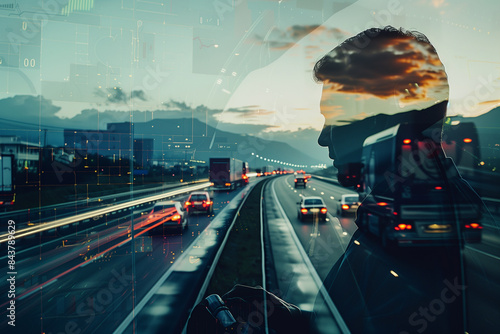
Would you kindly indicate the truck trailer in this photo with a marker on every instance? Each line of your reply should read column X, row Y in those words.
column 412, row 194
column 226, row 173
column 7, row 194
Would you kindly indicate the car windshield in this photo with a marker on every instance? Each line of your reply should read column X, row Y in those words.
column 344, row 155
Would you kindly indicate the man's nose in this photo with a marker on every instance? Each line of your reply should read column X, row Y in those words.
column 324, row 137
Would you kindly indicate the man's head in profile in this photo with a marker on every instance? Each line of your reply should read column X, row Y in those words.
column 375, row 80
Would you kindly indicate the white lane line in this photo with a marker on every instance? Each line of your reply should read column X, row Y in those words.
column 263, row 255
column 484, row 253
column 307, row 262
column 337, row 227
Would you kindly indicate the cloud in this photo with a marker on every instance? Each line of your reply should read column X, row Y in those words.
column 490, row 102
column 236, row 116
column 329, row 109
column 439, row 3
column 385, row 68
column 285, row 39
column 280, row 40
column 138, row 94
column 117, row 95
column 28, row 108
column 176, row 105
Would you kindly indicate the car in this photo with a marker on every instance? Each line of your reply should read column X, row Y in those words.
column 312, row 207
column 169, row 214
column 300, row 181
column 348, row 204
column 199, row 201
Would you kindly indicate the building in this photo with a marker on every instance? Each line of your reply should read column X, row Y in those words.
column 112, row 143
column 26, row 154
column 143, row 152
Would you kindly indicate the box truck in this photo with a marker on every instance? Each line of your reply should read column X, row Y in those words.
column 226, row 173
column 7, row 195
column 412, row 194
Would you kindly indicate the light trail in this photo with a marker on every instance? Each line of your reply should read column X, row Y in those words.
column 29, row 292
column 70, row 220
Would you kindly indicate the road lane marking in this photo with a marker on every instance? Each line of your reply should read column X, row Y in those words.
column 484, row 253
column 307, row 262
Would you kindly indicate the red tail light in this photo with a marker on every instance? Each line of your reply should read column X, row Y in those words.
column 474, row 226
column 438, row 188
column 406, row 141
column 323, row 210
column 345, row 207
column 402, row 227
column 382, row 204
column 304, row 210
column 176, row 217
column 295, row 180
column 467, row 140
column 187, row 203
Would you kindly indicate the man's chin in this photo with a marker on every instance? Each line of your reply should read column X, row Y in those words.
column 349, row 175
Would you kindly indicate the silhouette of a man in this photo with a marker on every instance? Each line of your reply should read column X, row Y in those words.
column 379, row 87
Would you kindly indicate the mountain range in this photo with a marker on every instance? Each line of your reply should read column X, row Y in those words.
column 36, row 119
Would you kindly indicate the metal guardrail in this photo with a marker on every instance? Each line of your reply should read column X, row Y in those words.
column 309, row 273
column 194, row 265
column 326, row 179
column 492, row 203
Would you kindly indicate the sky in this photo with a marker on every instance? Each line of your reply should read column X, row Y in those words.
column 245, row 65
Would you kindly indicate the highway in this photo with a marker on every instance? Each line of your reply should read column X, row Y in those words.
column 387, row 286
column 82, row 283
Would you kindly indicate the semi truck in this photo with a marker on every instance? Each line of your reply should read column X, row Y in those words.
column 245, row 172
column 412, row 194
column 7, row 194
column 226, row 173
column 268, row 170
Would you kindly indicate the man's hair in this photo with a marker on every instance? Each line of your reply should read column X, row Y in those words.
column 363, row 40
column 385, row 63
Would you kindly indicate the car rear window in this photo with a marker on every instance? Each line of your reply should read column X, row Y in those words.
column 198, row 197
column 313, row 202
column 351, row 198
